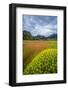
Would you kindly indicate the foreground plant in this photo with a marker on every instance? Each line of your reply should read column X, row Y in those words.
column 44, row 63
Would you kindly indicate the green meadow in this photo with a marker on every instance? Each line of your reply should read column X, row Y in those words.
column 39, row 57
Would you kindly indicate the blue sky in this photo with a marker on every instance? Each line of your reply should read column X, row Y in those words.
column 40, row 25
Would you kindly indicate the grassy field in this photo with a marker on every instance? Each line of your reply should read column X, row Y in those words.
column 35, row 52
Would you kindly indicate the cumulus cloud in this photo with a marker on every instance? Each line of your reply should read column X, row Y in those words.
column 40, row 25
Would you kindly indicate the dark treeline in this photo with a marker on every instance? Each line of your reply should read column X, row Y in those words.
column 27, row 36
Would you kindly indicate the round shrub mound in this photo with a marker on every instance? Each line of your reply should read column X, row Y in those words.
column 44, row 62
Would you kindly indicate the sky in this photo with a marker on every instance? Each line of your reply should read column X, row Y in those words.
column 40, row 25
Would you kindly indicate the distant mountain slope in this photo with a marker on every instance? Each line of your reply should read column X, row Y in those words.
column 28, row 36
column 53, row 36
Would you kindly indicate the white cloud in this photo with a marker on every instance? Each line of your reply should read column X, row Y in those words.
column 40, row 25
column 44, row 30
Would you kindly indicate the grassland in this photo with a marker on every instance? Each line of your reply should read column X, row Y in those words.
column 39, row 57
